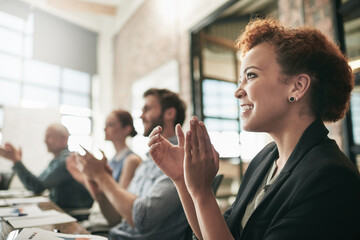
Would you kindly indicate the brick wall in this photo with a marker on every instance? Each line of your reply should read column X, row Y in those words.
column 150, row 39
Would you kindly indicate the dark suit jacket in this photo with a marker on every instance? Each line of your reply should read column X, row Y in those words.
column 316, row 195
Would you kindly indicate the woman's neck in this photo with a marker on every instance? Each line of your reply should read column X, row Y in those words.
column 287, row 138
column 119, row 145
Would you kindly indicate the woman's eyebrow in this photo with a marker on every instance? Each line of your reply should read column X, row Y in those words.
column 241, row 75
column 251, row 67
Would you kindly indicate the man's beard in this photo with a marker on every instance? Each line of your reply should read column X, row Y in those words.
column 157, row 122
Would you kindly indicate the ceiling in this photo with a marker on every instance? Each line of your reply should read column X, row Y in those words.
column 91, row 14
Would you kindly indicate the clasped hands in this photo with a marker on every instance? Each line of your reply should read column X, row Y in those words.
column 87, row 167
column 194, row 160
column 88, row 170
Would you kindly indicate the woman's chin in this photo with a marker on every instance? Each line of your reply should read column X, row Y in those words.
column 245, row 124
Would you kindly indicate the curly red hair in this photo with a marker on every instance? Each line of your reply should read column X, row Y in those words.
column 307, row 50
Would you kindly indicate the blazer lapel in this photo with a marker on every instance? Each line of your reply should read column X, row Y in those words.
column 312, row 136
column 249, row 188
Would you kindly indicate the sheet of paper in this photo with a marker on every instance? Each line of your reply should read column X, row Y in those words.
column 15, row 193
column 44, row 218
column 15, row 201
column 41, row 214
column 40, row 234
column 19, row 211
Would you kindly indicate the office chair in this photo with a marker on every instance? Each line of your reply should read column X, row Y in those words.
column 215, row 186
column 5, row 180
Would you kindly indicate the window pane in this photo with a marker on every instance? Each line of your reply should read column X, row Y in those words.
column 221, row 125
column 75, row 141
column 76, row 81
column 355, row 114
column 10, row 41
column 9, row 92
column 11, row 21
column 28, row 46
column 219, row 62
column 352, row 38
column 48, row 95
column 73, row 110
column 219, row 100
column 10, row 66
column 27, row 103
column 77, row 125
column 226, row 143
column 251, row 144
column 29, row 24
column 1, row 118
column 42, row 73
column 76, row 100
column 224, row 135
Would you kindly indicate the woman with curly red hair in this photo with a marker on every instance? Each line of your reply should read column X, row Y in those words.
column 301, row 186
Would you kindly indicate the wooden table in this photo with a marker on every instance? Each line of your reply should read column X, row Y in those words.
column 72, row 228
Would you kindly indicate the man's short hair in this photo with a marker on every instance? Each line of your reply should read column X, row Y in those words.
column 169, row 99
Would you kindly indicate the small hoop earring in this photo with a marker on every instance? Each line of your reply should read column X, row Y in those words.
column 291, row 99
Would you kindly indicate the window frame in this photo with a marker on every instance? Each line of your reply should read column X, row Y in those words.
column 342, row 13
column 199, row 40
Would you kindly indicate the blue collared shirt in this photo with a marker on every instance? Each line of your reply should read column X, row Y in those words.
column 157, row 212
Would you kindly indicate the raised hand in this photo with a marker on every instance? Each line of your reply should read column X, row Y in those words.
column 107, row 166
column 168, row 157
column 72, row 167
column 201, row 159
column 91, row 166
column 11, row 153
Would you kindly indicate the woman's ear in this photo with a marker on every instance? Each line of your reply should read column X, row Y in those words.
column 128, row 129
column 301, row 84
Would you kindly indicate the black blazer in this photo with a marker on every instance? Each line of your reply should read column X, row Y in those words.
column 316, row 195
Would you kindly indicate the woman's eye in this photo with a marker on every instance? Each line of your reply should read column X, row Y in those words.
column 250, row 75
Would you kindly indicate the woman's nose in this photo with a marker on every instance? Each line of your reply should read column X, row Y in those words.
column 240, row 93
